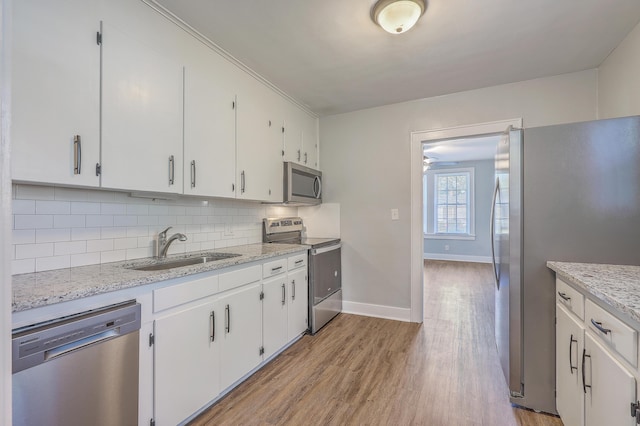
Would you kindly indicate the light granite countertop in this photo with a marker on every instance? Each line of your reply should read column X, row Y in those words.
column 616, row 285
column 62, row 285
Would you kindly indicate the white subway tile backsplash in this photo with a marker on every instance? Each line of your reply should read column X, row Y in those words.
column 113, row 256
column 85, row 208
column 55, row 262
column 113, row 208
column 32, row 221
column 70, row 247
column 99, row 246
column 53, row 207
column 85, row 259
column 85, row 234
column 26, row 251
column 24, row 207
column 53, row 235
column 125, row 220
column 69, row 221
column 99, row 220
column 61, row 227
column 23, row 266
column 23, row 236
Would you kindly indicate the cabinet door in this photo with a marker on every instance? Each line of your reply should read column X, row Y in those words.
column 241, row 333
column 259, row 144
column 209, row 129
column 298, row 303
column 612, row 387
column 141, row 114
column 274, row 314
column 293, row 131
column 187, row 362
column 55, row 92
column 310, row 143
column 569, row 345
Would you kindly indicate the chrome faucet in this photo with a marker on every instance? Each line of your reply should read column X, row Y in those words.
column 164, row 242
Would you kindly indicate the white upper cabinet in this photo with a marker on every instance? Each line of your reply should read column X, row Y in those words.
column 55, row 92
column 209, row 126
column 259, row 167
column 300, row 137
column 141, row 116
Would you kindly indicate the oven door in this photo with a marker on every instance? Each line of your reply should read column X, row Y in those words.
column 325, row 272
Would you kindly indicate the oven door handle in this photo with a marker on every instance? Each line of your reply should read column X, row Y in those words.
column 325, row 249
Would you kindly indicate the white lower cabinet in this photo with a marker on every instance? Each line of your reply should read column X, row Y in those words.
column 187, row 359
column 275, row 314
column 595, row 385
column 611, row 387
column 569, row 346
column 298, row 321
column 241, row 334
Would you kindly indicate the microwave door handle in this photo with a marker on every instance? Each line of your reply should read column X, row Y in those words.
column 317, row 183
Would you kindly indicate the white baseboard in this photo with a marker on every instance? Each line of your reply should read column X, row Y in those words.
column 457, row 257
column 377, row 311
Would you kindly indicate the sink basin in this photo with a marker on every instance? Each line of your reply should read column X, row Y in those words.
column 177, row 263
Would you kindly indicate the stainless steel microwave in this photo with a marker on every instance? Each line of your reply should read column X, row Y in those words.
column 302, row 185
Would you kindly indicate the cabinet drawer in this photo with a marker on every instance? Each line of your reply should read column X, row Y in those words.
column 297, row 261
column 570, row 297
column 275, row 267
column 168, row 297
column 240, row 277
column 616, row 335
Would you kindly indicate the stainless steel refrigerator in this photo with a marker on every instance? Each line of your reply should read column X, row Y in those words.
column 569, row 193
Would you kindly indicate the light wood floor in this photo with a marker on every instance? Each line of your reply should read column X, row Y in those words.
column 360, row 370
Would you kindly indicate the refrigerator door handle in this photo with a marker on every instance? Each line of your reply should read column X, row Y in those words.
column 492, row 232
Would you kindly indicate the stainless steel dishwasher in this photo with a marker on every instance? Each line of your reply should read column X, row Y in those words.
column 78, row 370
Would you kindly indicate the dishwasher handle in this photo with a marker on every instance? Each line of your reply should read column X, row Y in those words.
column 317, row 251
column 79, row 344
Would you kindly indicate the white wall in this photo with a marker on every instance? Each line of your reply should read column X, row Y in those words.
column 619, row 79
column 366, row 168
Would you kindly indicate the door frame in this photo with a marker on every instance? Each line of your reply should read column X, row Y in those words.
column 417, row 201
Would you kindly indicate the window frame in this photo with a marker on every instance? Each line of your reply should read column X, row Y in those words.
column 431, row 215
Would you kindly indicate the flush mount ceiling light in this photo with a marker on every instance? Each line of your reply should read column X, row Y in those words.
column 397, row 16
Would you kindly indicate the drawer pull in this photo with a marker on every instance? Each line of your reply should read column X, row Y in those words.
column 299, row 261
column 276, row 269
column 599, row 326
column 571, row 342
column 564, row 296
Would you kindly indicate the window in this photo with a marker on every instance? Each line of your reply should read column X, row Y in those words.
column 449, row 203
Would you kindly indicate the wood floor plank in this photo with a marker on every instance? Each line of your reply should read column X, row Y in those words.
column 369, row 371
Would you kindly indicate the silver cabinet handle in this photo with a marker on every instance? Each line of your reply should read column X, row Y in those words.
column 298, row 155
column 293, row 289
column 284, row 296
column 492, row 232
column 277, row 268
column 305, row 158
column 212, row 318
column 227, row 319
column 564, row 296
column 77, row 155
column 584, row 384
column 171, row 170
column 297, row 262
column 242, row 182
column 193, row 173
column 317, row 187
column 571, row 342
column 598, row 325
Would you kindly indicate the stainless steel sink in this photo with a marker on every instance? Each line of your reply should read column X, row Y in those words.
column 177, row 263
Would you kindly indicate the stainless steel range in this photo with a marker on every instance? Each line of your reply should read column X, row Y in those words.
column 325, row 272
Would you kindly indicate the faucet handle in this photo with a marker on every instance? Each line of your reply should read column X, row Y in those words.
column 163, row 234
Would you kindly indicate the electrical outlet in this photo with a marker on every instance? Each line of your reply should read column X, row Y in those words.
column 228, row 230
column 395, row 215
column 446, row 247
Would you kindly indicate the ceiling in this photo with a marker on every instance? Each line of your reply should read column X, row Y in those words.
column 467, row 149
column 331, row 57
